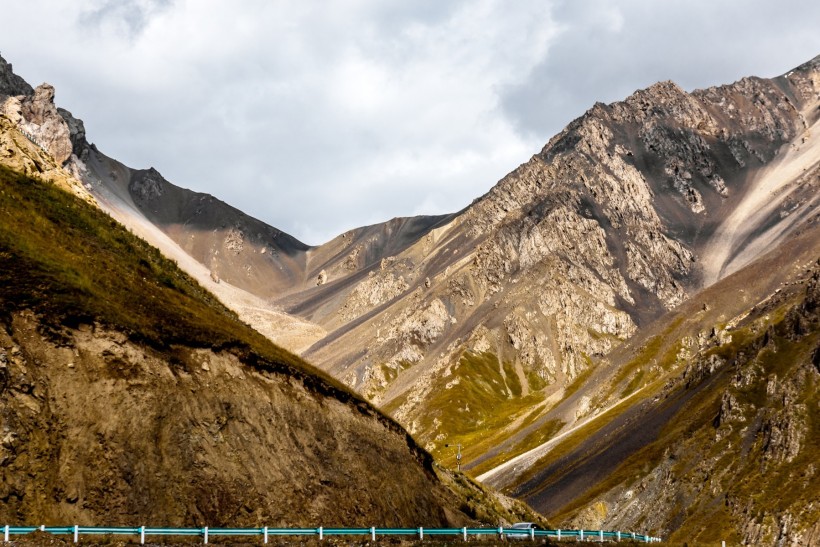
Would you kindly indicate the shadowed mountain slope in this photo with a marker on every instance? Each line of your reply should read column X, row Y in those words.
column 718, row 437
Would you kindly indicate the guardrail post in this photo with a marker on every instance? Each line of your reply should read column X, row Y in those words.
column 6, row 533
column 265, row 534
column 464, row 533
column 618, row 535
column 501, row 532
column 142, row 535
column 321, row 533
column 372, row 533
column 532, row 534
column 42, row 527
column 421, row 533
column 582, row 534
column 559, row 534
column 205, row 533
column 76, row 533
column 601, row 535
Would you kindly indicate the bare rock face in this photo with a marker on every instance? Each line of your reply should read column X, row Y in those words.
column 12, row 109
column 10, row 83
column 33, row 111
column 19, row 153
column 618, row 219
column 481, row 325
column 46, row 125
column 148, row 188
column 378, row 288
column 76, row 128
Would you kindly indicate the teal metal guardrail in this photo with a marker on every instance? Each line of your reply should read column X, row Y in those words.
column 265, row 532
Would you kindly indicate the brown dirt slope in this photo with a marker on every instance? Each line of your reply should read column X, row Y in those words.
column 129, row 395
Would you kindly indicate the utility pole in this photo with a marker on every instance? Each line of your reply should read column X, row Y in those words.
column 458, row 455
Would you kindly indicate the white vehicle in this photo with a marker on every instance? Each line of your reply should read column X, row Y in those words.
column 520, row 530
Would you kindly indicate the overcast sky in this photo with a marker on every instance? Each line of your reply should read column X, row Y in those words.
column 318, row 117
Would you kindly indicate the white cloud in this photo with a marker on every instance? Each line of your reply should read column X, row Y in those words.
column 605, row 52
column 319, row 117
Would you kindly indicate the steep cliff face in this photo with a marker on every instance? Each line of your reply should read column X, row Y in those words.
column 10, row 83
column 100, row 430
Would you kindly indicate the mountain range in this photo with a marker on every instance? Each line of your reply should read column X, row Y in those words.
column 130, row 394
column 622, row 332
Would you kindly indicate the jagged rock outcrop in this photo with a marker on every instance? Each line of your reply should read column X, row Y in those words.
column 378, row 288
column 11, row 83
column 147, row 188
column 20, row 153
column 76, row 130
column 42, row 121
column 34, row 113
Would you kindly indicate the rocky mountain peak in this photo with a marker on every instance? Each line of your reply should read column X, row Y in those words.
column 44, row 123
column 812, row 65
column 11, row 83
column 621, row 217
column 34, row 112
column 37, row 107
column 147, row 188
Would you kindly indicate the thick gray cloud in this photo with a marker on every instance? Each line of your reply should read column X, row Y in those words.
column 318, row 117
column 131, row 17
column 606, row 50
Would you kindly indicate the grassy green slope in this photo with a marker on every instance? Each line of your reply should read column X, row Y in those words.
column 726, row 449
column 71, row 263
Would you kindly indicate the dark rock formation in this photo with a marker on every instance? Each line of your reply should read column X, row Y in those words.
column 11, row 83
